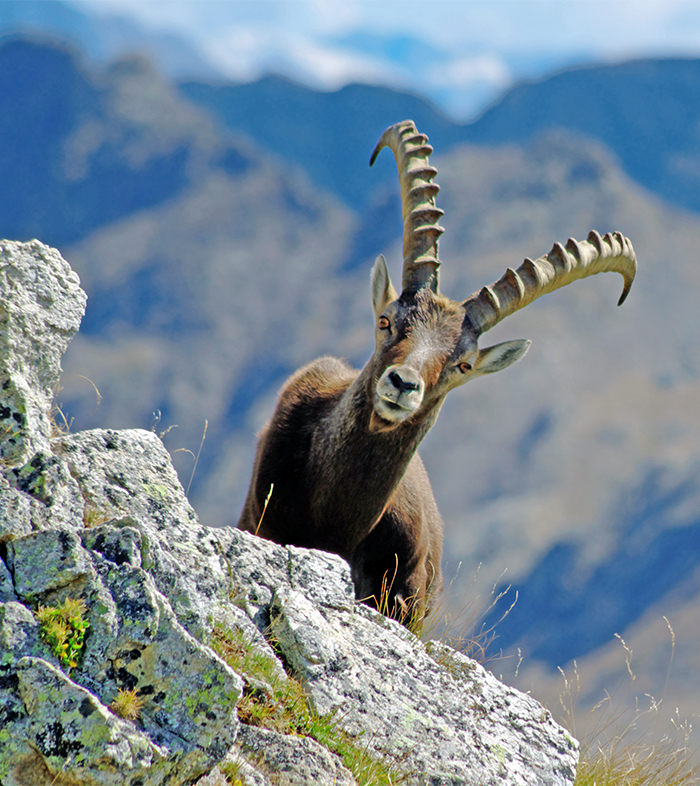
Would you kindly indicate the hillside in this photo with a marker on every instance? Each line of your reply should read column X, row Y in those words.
column 332, row 131
column 646, row 111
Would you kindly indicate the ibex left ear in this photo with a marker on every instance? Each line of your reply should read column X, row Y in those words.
column 383, row 292
column 500, row 356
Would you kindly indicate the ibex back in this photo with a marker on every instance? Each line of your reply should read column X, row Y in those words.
column 340, row 448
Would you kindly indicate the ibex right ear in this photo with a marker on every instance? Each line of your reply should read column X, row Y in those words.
column 501, row 356
column 383, row 292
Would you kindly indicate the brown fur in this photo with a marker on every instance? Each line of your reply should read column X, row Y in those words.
column 340, row 449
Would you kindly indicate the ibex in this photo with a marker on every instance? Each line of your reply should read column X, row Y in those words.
column 339, row 452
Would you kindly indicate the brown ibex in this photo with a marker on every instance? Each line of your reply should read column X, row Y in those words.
column 340, row 448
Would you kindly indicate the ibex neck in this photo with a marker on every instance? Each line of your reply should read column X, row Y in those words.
column 361, row 466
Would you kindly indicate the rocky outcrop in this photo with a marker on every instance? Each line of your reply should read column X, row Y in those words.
column 99, row 519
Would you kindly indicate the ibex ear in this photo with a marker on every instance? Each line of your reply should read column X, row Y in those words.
column 383, row 292
column 500, row 356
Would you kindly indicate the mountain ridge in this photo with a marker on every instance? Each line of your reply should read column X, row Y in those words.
column 637, row 108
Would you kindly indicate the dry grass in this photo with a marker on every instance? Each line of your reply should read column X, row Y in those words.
column 465, row 629
column 127, row 704
column 632, row 746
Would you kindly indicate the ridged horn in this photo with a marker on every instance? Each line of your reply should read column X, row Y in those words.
column 562, row 265
column 421, row 230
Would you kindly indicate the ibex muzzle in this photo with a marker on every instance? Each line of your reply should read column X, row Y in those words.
column 340, row 449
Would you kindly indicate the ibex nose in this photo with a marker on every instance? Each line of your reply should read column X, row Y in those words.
column 402, row 384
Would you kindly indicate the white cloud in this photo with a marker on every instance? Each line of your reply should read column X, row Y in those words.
column 244, row 53
column 488, row 69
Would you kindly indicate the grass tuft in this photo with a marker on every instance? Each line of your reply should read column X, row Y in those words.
column 464, row 630
column 127, row 705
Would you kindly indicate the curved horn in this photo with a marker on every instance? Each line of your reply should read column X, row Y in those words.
column 517, row 288
column 421, row 231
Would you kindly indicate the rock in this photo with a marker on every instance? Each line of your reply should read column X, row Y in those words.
column 44, row 561
column 442, row 715
column 100, row 521
column 7, row 590
column 15, row 512
column 293, row 761
column 78, row 737
column 41, row 305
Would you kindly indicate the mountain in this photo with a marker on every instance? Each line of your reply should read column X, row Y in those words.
column 333, row 132
column 645, row 111
column 84, row 149
column 101, row 37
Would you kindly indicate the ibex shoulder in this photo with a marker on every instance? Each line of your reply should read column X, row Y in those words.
column 325, row 376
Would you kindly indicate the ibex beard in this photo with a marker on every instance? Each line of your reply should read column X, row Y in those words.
column 340, row 451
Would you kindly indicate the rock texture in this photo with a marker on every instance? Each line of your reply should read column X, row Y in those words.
column 100, row 516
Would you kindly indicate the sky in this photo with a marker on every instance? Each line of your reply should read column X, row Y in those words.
column 460, row 53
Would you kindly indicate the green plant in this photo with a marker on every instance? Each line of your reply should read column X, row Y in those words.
column 276, row 701
column 127, row 704
column 63, row 628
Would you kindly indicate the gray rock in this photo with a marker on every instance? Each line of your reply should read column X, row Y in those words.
column 7, row 590
column 54, row 497
column 258, row 567
column 78, row 737
column 116, row 541
column 292, row 761
column 127, row 480
column 19, row 634
column 134, row 642
column 15, row 512
column 444, row 716
column 41, row 305
column 46, row 561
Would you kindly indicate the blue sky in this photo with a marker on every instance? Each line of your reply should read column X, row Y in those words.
column 461, row 53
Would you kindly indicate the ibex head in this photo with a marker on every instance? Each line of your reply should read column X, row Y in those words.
column 427, row 344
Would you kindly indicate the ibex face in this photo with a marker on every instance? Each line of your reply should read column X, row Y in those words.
column 425, row 347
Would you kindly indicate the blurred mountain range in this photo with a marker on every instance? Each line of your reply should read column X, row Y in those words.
column 225, row 234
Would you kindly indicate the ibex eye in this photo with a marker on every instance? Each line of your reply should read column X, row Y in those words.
column 383, row 323
column 464, row 367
